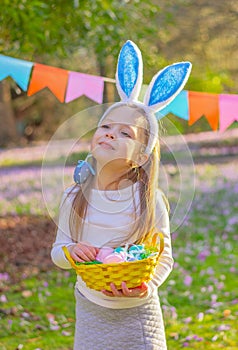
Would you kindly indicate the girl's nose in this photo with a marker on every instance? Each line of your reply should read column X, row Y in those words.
column 109, row 135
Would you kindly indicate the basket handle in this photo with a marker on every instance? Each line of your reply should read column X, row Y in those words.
column 161, row 241
column 68, row 256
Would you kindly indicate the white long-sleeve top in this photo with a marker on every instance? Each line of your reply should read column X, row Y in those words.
column 109, row 217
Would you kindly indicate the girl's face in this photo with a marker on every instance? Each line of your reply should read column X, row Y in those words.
column 119, row 140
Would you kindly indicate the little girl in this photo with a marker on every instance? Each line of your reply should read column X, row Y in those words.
column 119, row 202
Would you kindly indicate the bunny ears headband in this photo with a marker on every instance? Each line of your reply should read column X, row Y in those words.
column 164, row 86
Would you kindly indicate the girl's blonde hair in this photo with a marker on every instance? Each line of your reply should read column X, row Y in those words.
column 147, row 177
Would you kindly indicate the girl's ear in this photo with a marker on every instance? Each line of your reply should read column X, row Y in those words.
column 129, row 73
column 166, row 85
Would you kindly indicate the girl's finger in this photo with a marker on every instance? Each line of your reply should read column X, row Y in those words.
column 81, row 254
column 89, row 252
column 93, row 249
column 143, row 294
column 106, row 292
column 115, row 292
column 126, row 291
column 76, row 257
column 140, row 291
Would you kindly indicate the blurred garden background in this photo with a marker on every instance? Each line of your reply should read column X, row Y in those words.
column 200, row 298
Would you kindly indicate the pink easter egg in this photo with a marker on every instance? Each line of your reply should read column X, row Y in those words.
column 113, row 258
column 103, row 253
column 124, row 255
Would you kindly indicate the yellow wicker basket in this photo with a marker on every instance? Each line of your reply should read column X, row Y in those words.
column 99, row 276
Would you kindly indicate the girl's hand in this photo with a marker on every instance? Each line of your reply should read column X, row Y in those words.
column 83, row 251
column 138, row 292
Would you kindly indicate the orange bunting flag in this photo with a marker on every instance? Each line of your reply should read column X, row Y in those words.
column 203, row 104
column 56, row 79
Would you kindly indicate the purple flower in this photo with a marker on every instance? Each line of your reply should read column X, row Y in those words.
column 187, row 320
column 203, row 255
column 189, row 337
column 210, row 271
column 197, row 338
column 173, row 313
column 3, row 298
column 215, row 337
column 210, row 311
column 54, row 327
column 200, row 316
column 210, row 288
column 233, row 220
column 66, row 333
column 224, row 327
column 185, row 344
column 4, row 276
column 187, row 280
column 214, row 298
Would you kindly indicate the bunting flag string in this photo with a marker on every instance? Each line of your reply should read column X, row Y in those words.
column 220, row 110
column 64, row 84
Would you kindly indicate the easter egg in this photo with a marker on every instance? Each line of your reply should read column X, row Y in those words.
column 113, row 258
column 131, row 258
column 123, row 254
column 119, row 249
column 103, row 253
column 135, row 249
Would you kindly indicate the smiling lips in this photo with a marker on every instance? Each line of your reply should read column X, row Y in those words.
column 105, row 145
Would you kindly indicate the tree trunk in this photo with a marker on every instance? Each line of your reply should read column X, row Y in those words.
column 8, row 132
column 109, row 88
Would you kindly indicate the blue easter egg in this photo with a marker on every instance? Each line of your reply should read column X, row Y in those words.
column 119, row 249
column 131, row 258
column 135, row 249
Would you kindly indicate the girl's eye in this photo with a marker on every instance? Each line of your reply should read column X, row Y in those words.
column 105, row 126
column 126, row 134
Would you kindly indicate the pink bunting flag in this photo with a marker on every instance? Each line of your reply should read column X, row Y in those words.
column 228, row 107
column 84, row 84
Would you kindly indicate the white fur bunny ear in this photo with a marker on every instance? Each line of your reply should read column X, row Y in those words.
column 166, row 85
column 129, row 73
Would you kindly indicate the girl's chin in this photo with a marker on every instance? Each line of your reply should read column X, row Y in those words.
column 113, row 164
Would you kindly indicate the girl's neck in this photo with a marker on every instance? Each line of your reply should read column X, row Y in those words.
column 109, row 180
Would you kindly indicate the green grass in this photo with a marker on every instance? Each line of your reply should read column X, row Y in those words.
column 39, row 313
column 199, row 300
column 202, row 315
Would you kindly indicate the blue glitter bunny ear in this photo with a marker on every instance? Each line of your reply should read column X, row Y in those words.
column 129, row 73
column 166, row 85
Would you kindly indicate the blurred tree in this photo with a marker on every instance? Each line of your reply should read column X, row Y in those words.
column 39, row 30
column 8, row 128
column 204, row 32
column 86, row 36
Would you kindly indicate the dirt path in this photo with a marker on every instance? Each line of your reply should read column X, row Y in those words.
column 25, row 243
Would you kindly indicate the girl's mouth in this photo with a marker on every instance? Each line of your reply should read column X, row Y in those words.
column 105, row 145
